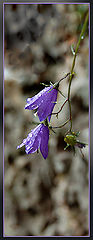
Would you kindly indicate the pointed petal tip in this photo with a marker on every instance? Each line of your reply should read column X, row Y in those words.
column 27, row 152
column 45, row 154
column 26, row 106
column 45, row 157
column 21, row 145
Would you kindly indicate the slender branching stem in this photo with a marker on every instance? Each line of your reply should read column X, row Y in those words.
column 64, row 77
column 56, row 113
column 62, row 124
column 73, row 64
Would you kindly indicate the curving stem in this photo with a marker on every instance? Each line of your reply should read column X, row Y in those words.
column 73, row 64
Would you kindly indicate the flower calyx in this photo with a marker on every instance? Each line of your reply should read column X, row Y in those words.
column 72, row 141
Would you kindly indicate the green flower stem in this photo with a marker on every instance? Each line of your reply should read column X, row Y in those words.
column 64, row 77
column 56, row 113
column 62, row 124
column 73, row 64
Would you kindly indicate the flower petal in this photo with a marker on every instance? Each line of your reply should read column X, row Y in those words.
column 33, row 148
column 46, row 107
column 34, row 102
column 44, row 141
column 21, row 145
column 44, row 102
column 37, row 138
column 29, row 141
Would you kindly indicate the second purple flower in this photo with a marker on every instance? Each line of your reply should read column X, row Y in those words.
column 37, row 138
column 43, row 102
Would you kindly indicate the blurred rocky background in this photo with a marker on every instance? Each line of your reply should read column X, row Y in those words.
column 45, row 197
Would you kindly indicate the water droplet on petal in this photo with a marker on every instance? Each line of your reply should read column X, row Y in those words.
column 73, row 53
column 82, row 37
column 35, row 114
column 72, row 49
column 30, row 135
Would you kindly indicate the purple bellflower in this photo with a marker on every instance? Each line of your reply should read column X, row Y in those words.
column 37, row 138
column 43, row 102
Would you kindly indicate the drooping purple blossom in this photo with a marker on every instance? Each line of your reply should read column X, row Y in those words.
column 43, row 102
column 37, row 138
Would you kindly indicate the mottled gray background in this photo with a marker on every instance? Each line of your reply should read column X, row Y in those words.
column 49, row 197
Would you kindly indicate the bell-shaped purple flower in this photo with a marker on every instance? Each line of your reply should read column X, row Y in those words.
column 43, row 102
column 37, row 138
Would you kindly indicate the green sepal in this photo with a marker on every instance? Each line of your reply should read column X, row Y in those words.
column 66, row 146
